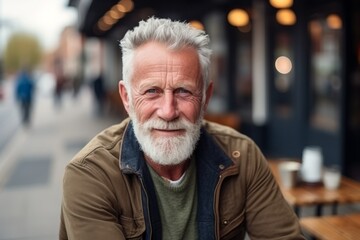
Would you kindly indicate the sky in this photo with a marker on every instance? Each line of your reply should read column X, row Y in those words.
column 43, row 18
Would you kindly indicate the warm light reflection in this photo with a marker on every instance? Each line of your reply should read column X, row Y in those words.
column 286, row 17
column 103, row 26
column 238, row 17
column 128, row 5
column 315, row 29
column 112, row 16
column 283, row 65
column 116, row 14
column 334, row 21
column 197, row 24
column 281, row 3
column 120, row 7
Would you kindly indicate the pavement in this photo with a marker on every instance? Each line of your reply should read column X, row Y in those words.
column 9, row 119
column 33, row 159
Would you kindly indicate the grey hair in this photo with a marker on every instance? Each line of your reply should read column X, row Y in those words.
column 174, row 34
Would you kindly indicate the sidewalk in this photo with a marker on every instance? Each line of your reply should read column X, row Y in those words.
column 9, row 114
column 32, row 165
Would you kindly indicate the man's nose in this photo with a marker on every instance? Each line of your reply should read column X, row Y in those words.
column 168, row 110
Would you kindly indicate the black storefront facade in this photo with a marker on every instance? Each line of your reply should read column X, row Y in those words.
column 291, row 85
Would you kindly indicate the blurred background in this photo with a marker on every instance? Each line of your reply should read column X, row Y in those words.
column 286, row 73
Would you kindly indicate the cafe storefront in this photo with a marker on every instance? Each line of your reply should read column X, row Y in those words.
column 290, row 73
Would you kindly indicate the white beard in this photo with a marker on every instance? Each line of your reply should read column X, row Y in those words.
column 167, row 150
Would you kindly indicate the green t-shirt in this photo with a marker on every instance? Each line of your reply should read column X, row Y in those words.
column 177, row 203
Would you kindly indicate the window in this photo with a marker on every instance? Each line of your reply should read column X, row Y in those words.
column 325, row 72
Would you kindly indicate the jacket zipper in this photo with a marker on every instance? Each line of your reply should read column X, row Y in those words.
column 222, row 176
column 216, row 206
column 147, row 207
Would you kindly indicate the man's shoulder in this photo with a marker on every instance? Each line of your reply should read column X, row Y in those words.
column 233, row 143
column 224, row 132
column 102, row 148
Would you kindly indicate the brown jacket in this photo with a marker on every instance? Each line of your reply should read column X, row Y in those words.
column 107, row 193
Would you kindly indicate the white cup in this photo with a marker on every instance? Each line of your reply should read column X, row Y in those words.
column 332, row 177
column 312, row 162
column 289, row 172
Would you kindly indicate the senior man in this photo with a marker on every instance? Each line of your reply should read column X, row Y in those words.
column 165, row 172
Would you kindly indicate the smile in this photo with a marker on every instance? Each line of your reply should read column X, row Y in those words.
column 168, row 132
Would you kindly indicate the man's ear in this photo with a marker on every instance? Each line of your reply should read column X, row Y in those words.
column 209, row 92
column 124, row 95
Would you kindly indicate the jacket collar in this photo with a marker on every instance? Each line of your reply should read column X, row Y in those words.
column 131, row 157
column 132, row 161
column 211, row 161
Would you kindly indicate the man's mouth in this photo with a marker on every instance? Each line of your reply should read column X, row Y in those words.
column 168, row 132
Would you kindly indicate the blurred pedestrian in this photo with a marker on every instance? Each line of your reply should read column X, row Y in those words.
column 24, row 93
column 60, row 81
column 99, row 93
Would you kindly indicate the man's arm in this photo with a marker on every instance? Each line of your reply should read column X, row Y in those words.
column 268, row 215
column 88, row 207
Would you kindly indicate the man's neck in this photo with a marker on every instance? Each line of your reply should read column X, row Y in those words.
column 171, row 172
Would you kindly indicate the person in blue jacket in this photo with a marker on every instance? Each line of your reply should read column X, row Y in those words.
column 24, row 93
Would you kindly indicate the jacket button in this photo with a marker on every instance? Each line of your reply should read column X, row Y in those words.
column 225, row 222
column 236, row 154
column 221, row 166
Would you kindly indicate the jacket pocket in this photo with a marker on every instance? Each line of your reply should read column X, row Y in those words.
column 233, row 228
column 133, row 228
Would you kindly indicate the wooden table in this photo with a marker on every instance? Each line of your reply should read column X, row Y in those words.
column 317, row 195
column 341, row 227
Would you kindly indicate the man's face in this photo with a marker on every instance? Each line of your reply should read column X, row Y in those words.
column 166, row 103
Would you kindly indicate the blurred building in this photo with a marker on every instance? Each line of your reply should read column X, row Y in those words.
column 65, row 59
column 288, row 70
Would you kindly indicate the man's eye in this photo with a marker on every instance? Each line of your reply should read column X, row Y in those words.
column 151, row 91
column 182, row 91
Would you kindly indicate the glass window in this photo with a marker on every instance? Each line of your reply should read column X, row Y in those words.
column 325, row 72
column 243, row 80
column 283, row 75
column 215, row 28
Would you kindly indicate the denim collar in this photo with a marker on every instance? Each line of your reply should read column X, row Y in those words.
column 211, row 160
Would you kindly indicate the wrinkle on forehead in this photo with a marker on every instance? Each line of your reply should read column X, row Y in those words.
column 154, row 61
column 157, row 53
column 154, row 70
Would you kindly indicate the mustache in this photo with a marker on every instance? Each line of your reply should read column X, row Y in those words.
column 166, row 125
